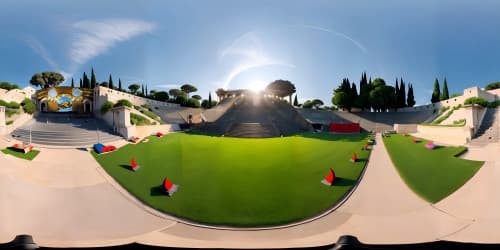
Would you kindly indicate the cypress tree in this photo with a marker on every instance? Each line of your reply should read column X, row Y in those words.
column 436, row 94
column 86, row 81
column 411, row 98
column 398, row 94
column 142, row 86
column 81, row 83
column 72, row 82
column 120, row 84
column 364, row 92
column 295, row 101
column 402, row 92
column 93, row 81
column 147, row 93
column 445, row 94
column 209, row 99
column 354, row 95
column 110, row 82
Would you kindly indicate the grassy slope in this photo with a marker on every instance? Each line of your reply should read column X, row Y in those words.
column 239, row 182
column 29, row 156
column 432, row 174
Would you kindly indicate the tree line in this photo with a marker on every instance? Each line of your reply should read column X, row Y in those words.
column 373, row 95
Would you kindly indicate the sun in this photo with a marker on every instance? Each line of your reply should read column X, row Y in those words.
column 257, row 85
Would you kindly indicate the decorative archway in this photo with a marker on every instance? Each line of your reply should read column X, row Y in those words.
column 43, row 105
column 87, row 106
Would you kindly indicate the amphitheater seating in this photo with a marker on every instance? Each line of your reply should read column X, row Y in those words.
column 369, row 121
column 256, row 117
column 65, row 130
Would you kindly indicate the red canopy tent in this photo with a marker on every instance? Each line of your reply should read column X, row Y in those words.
column 345, row 127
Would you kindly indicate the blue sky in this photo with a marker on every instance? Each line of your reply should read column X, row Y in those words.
column 246, row 44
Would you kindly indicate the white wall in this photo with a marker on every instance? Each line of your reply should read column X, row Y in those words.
column 447, row 135
column 103, row 94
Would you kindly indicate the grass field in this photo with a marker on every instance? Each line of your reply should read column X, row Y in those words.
column 239, row 182
column 29, row 156
column 432, row 174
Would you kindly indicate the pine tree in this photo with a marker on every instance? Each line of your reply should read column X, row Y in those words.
column 72, row 82
column 93, row 81
column 445, row 95
column 120, row 84
column 81, row 83
column 411, row 98
column 110, row 82
column 295, row 101
column 436, row 94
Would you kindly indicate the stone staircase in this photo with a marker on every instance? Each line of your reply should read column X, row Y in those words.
column 65, row 131
column 489, row 131
column 252, row 130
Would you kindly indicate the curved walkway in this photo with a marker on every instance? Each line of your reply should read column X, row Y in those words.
column 76, row 204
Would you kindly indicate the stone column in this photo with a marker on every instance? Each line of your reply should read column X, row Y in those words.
column 121, row 122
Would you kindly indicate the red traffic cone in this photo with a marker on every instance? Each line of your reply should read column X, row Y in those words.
column 168, row 187
column 134, row 165
column 329, row 179
column 354, row 157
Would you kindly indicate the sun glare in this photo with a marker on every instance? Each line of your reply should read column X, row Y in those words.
column 257, row 86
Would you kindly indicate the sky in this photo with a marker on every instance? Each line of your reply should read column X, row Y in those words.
column 247, row 44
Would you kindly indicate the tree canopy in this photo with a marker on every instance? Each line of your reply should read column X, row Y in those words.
column 188, row 88
column 445, row 95
column 493, row 85
column 134, row 87
column 8, row 85
column 281, row 88
column 376, row 94
column 47, row 79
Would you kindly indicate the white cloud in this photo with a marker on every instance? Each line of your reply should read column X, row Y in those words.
column 356, row 43
column 95, row 37
column 248, row 49
column 39, row 49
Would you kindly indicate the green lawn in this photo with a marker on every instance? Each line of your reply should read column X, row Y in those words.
column 432, row 174
column 239, row 182
column 29, row 156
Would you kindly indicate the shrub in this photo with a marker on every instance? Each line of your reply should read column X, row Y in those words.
column 459, row 122
column 193, row 103
column 443, row 109
column 146, row 106
column 123, row 102
column 150, row 114
column 493, row 85
column 9, row 122
column 10, row 112
column 13, row 105
column 494, row 104
column 28, row 106
column 106, row 107
column 476, row 100
column 139, row 120
column 3, row 103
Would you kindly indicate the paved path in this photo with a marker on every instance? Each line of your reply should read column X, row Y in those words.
column 77, row 204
